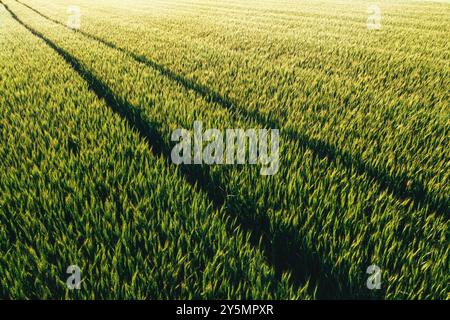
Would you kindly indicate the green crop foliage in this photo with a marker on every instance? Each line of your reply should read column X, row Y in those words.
column 365, row 157
column 79, row 186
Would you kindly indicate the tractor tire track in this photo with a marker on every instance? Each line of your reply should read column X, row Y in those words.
column 402, row 186
column 258, row 228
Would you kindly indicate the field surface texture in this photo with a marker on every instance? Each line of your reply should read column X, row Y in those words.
column 92, row 91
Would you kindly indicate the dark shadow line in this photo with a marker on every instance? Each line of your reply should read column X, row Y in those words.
column 282, row 248
column 400, row 185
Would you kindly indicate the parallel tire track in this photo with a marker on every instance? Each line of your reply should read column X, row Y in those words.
column 200, row 179
column 400, row 185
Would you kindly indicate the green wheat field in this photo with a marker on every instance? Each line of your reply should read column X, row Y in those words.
column 360, row 94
